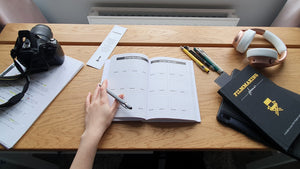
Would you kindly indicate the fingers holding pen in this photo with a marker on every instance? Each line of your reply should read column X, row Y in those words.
column 115, row 105
column 103, row 92
column 96, row 93
column 102, row 95
column 91, row 98
column 88, row 100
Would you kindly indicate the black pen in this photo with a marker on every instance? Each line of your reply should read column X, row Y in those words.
column 201, row 66
column 121, row 101
column 216, row 67
column 199, row 58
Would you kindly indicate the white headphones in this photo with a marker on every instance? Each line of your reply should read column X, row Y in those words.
column 260, row 57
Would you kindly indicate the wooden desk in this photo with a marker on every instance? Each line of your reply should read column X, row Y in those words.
column 62, row 123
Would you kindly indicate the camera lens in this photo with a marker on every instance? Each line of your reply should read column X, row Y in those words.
column 43, row 31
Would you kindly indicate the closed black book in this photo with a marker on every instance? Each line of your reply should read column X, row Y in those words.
column 271, row 110
column 231, row 117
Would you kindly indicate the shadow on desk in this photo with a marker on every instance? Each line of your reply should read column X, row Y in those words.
column 159, row 160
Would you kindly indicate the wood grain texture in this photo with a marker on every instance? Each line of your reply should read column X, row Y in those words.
column 62, row 123
column 152, row 35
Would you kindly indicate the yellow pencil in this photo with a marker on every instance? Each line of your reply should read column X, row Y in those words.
column 202, row 67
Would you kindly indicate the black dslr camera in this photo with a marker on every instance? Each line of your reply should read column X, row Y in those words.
column 37, row 51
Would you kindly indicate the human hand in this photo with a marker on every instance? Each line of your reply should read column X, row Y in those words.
column 99, row 114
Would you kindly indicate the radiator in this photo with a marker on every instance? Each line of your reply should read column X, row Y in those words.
column 162, row 16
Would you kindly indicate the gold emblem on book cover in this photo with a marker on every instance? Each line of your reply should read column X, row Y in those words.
column 272, row 106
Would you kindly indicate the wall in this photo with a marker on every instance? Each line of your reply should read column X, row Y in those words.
column 251, row 12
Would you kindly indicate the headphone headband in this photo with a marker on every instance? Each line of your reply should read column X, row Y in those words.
column 244, row 38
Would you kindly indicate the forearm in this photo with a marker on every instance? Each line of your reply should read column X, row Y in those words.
column 99, row 115
column 86, row 152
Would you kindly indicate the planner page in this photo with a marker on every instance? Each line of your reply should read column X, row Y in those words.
column 128, row 74
column 43, row 88
column 172, row 90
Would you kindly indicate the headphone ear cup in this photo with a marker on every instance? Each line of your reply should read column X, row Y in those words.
column 245, row 41
column 262, row 56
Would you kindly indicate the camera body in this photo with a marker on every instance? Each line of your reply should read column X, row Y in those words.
column 37, row 50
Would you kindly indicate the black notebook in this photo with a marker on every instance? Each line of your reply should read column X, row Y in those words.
column 257, row 107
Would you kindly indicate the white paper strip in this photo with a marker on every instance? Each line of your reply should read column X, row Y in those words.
column 106, row 47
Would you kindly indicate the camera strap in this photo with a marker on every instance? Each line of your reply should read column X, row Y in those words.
column 16, row 98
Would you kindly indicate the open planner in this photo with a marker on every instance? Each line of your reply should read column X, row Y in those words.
column 159, row 89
